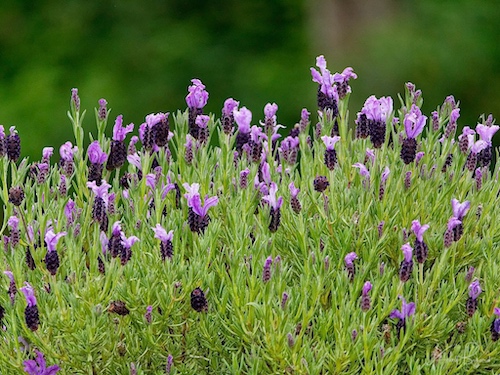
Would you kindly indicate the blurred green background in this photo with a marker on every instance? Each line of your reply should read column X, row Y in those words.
column 140, row 56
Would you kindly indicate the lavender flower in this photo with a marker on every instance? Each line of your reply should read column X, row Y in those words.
column 67, row 152
column 115, row 246
column 47, row 153
column 275, row 204
column 243, row 118
column 52, row 258
column 414, row 123
column 466, row 139
column 126, row 252
column 304, row 119
column 100, row 205
column 266, row 271
column 342, row 81
column 452, row 123
column 363, row 171
column 407, row 310
column 486, row 134
column 474, row 292
column 406, row 267
column 320, row 183
column 147, row 315
column 102, row 112
column 454, row 230
column 349, row 264
column 75, row 99
column 227, row 119
column 38, row 366
column 365, row 298
column 330, row 153
column 13, row 223
column 328, row 96
column 196, row 99
column 170, row 361
column 198, row 300
column 284, row 299
column 166, row 248
column 198, row 217
column 12, row 286
column 294, row 201
column 269, row 123
column 118, row 153
column 244, row 178
column 13, row 145
column 97, row 157
column 384, row 177
column 373, row 116
column 459, row 209
column 495, row 325
column 31, row 316
column 421, row 249
column 203, row 132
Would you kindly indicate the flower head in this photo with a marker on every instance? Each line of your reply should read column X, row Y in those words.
column 349, row 259
column 100, row 191
column 195, row 203
column 367, row 287
column 13, row 222
column 324, row 78
column 67, row 151
column 363, row 171
column 116, row 229
column 474, row 289
column 120, row 132
column 95, row 153
column 127, row 242
column 294, row 191
column 270, row 110
column 38, row 366
column 274, row 202
column 407, row 309
column 414, row 122
column 202, row 121
column 419, row 229
column 197, row 96
column 243, row 118
column 47, row 152
column 453, row 222
column 29, row 293
column 385, row 174
column 377, row 109
column 229, row 106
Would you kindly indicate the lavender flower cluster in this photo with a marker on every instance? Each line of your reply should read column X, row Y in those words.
column 117, row 195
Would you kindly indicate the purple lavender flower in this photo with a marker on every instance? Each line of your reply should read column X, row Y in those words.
column 330, row 153
column 52, row 257
column 227, row 119
column 203, row 132
column 198, row 217
column 243, row 118
column 495, row 325
column 38, row 366
column 147, row 315
column 170, row 361
column 466, row 139
column 197, row 96
column 119, row 131
column 275, row 204
column 13, row 223
column 328, row 96
column 284, row 299
column 407, row 310
column 373, row 118
column 289, row 149
column 126, row 252
column 166, row 248
column 406, row 267
column 3, row 145
column 365, row 297
column 369, row 156
column 102, row 112
column 342, row 81
column 47, row 153
column 67, row 150
column 478, row 176
column 31, row 316
column 460, row 209
column 118, row 152
column 453, row 231
column 12, row 286
column 95, row 153
column 363, row 171
column 486, row 134
column 75, row 99
column 294, row 201
column 266, row 271
column 100, row 205
column 474, row 292
column 421, row 249
column 304, row 119
column 115, row 246
column 383, row 180
column 244, row 178
column 349, row 264
column 414, row 123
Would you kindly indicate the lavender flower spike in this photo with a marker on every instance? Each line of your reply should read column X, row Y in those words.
column 294, row 191
column 363, row 171
column 271, row 197
column 414, row 122
column 407, row 251
column 330, row 141
column 51, row 239
column 407, row 310
column 198, row 208
column 419, row 229
column 486, row 132
column 349, row 259
column 67, row 151
column 29, row 293
column 120, row 132
column 385, row 174
column 38, row 366
column 366, row 288
column 47, row 152
column 197, row 96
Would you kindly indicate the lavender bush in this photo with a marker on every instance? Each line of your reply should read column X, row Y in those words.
column 233, row 246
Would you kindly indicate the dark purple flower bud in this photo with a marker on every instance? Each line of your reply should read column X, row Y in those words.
column 62, row 186
column 407, row 181
column 294, row 201
column 459, row 209
column 30, row 262
column 284, row 299
column 266, row 272
column 166, row 247
column 342, row 81
column 147, row 315
column 349, row 265
column 115, row 246
column 478, row 176
column 13, row 223
column 13, row 145
column 407, row 310
column 470, row 274
column 227, row 119
column 320, row 183
column 75, row 100
column 126, row 252
column 198, row 301
column 290, row 340
column 408, row 150
column 102, row 112
column 244, row 178
column 362, row 126
column 304, row 119
column 12, row 286
column 380, row 228
column 354, row 335
column 330, row 153
column 328, row 96
column 435, row 121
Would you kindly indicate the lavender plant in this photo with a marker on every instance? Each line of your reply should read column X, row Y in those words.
column 230, row 280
